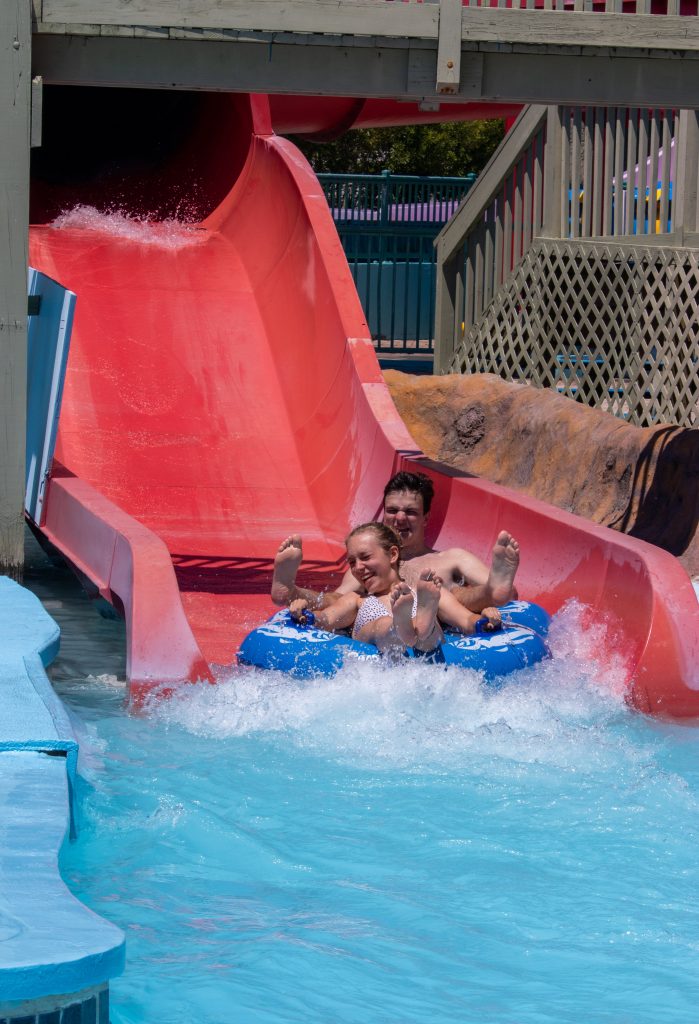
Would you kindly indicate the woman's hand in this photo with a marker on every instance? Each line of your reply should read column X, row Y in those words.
column 297, row 610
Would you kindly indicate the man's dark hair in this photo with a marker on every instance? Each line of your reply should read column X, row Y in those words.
column 416, row 483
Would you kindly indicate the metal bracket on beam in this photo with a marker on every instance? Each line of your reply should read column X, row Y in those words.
column 36, row 110
column 449, row 47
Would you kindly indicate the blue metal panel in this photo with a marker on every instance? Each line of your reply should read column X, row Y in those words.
column 387, row 225
column 47, row 355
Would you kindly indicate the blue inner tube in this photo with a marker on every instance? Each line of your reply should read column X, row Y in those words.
column 306, row 652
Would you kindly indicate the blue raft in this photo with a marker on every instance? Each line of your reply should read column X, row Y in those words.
column 306, row 652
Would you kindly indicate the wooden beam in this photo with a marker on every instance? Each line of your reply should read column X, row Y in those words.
column 405, row 71
column 336, row 17
column 601, row 80
column 570, row 28
column 15, row 88
column 501, row 26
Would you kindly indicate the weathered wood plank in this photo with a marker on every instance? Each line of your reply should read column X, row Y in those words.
column 477, row 241
column 123, row 31
column 632, row 162
column 15, row 98
column 571, row 28
column 527, row 192
column 422, row 75
column 357, row 17
column 552, row 172
column 37, row 107
column 667, row 132
column 518, row 208
column 556, row 28
column 576, row 175
column 445, row 311
column 363, row 70
column 538, row 186
column 587, row 157
column 564, row 187
column 618, row 184
column 684, row 198
column 608, row 174
column 488, row 258
column 496, row 211
column 643, row 152
column 653, row 172
column 449, row 46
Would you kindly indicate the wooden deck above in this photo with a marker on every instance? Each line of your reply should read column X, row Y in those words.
column 584, row 51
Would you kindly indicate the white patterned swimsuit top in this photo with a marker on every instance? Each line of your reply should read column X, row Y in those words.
column 371, row 609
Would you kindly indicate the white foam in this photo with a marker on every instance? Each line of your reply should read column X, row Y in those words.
column 163, row 234
column 413, row 715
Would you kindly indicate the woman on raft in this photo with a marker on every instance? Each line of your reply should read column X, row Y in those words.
column 389, row 614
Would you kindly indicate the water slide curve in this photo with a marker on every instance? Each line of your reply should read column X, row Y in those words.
column 222, row 392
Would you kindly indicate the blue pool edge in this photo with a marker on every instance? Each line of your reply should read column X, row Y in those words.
column 56, row 956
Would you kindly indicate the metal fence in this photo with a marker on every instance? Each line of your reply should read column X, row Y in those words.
column 387, row 224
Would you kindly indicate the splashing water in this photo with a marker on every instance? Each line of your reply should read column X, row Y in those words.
column 399, row 846
column 399, row 717
column 116, row 223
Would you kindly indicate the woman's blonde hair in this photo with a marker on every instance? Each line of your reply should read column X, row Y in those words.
column 385, row 536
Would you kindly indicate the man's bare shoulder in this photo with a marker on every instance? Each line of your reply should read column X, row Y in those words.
column 452, row 564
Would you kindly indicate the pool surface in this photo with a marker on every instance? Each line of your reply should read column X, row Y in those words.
column 387, row 846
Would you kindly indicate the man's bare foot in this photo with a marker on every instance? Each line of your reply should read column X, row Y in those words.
column 286, row 565
column 503, row 568
column 402, row 607
column 428, row 587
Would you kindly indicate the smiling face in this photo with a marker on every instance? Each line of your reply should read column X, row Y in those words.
column 370, row 564
column 404, row 513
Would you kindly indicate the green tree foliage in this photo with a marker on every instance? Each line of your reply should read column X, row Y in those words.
column 449, row 150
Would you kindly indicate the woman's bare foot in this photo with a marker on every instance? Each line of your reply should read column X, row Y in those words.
column 503, row 568
column 402, row 607
column 286, row 565
column 428, row 631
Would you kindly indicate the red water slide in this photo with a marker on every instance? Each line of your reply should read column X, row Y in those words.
column 222, row 392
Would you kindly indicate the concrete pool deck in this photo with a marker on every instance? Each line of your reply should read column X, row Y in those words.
column 56, row 955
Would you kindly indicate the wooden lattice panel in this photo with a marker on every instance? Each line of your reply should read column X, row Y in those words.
column 613, row 326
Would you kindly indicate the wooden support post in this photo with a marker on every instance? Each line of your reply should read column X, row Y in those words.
column 553, row 173
column 684, row 196
column 15, row 89
column 449, row 47
column 445, row 314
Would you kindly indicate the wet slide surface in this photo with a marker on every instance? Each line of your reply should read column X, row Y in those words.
column 211, row 393
column 222, row 392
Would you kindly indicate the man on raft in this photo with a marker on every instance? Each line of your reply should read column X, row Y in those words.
column 387, row 612
column 406, row 507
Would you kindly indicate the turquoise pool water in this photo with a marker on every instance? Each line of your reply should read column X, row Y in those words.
column 389, row 847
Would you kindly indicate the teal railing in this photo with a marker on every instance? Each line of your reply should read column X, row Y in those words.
column 387, row 224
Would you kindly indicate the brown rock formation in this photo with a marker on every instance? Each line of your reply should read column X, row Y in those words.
column 642, row 481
